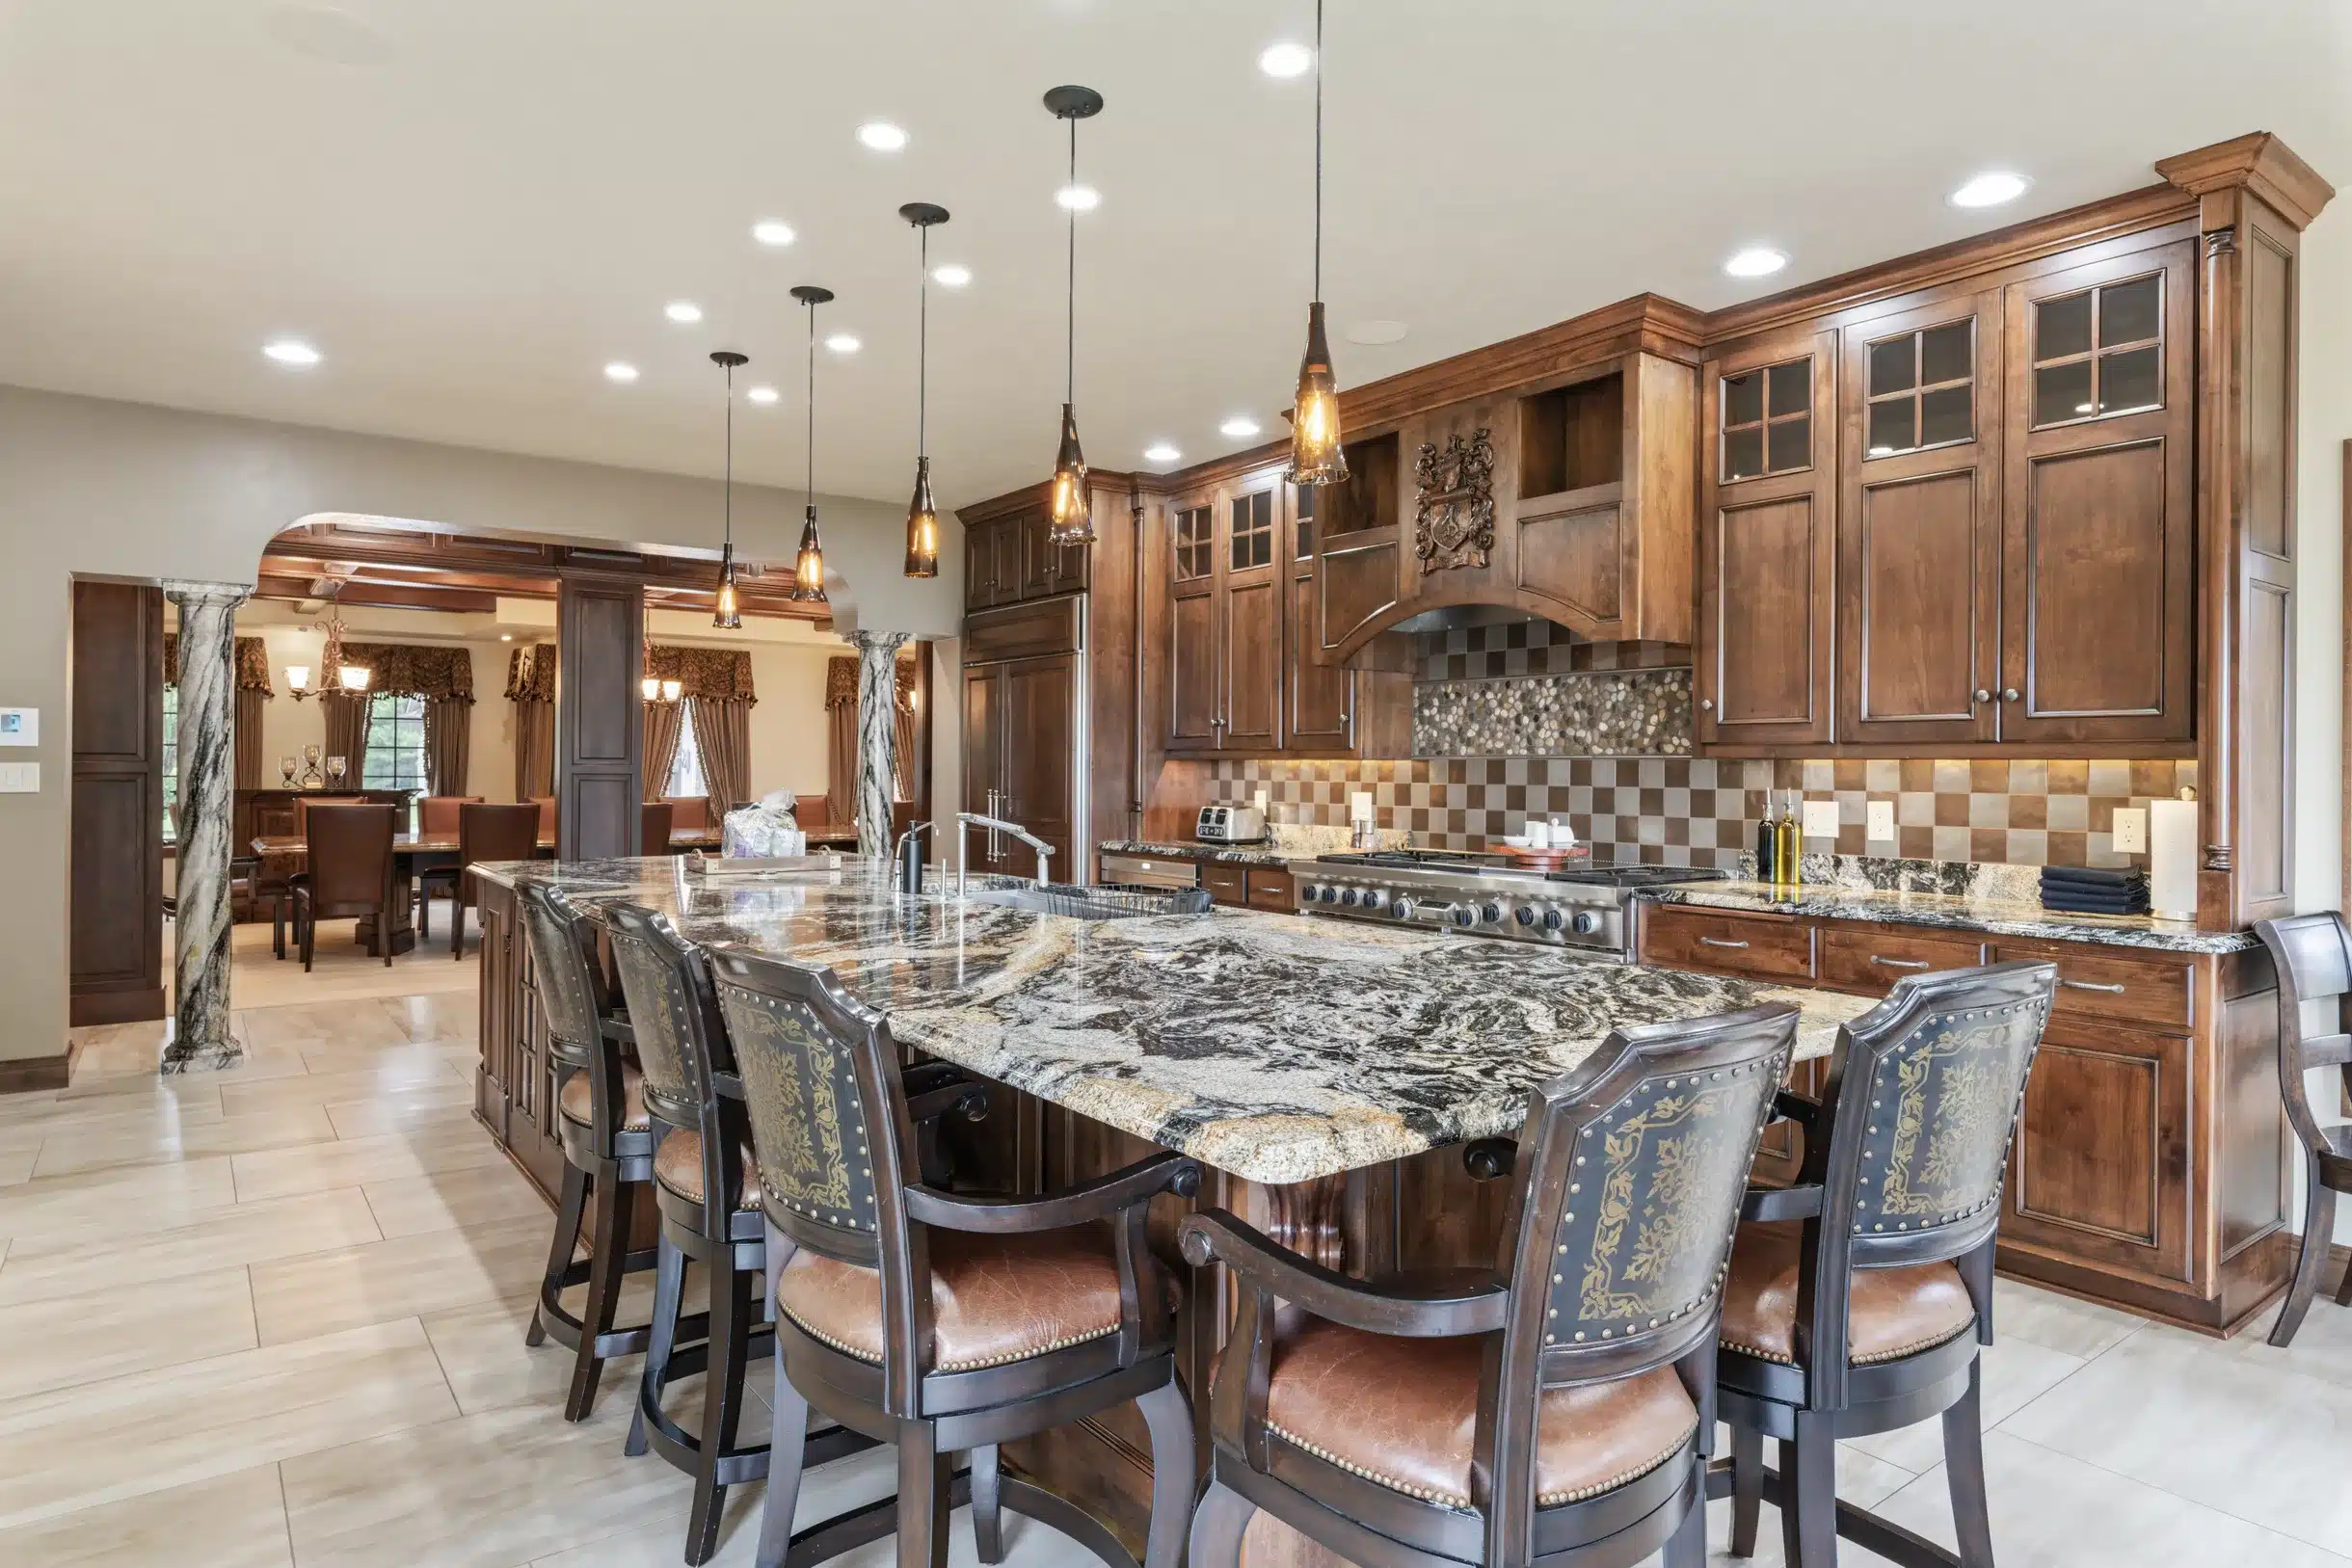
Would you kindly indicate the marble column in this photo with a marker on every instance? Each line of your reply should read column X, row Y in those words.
column 201, row 1037
column 877, row 734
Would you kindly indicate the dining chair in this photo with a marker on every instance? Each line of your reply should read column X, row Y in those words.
column 484, row 833
column 654, row 819
column 349, row 870
column 938, row 1321
column 546, row 816
column 2313, row 955
column 304, row 802
column 1557, row 1408
column 605, row 1131
column 1859, row 1298
column 437, row 814
column 692, row 811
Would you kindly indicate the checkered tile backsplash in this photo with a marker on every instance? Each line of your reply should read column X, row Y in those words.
column 1672, row 811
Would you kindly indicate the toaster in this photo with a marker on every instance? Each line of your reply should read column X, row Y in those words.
column 1230, row 825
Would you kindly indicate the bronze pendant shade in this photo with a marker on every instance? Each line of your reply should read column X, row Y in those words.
column 808, row 566
column 922, row 514
column 724, row 611
column 1069, row 512
column 1316, row 455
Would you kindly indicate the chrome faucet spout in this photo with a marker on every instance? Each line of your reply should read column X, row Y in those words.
column 973, row 819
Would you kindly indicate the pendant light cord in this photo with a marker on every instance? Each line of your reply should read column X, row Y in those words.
column 728, row 510
column 812, row 403
column 922, row 347
column 1069, row 372
column 1319, row 10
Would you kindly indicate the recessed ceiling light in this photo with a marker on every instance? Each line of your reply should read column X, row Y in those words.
column 1375, row 332
column 620, row 370
column 762, row 394
column 292, row 351
column 1990, row 189
column 844, row 344
column 1078, row 198
column 1757, row 261
column 1161, row 452
column 882, row 136
column 947, row 275
column 1239, row 427
column 506, row 636
column 684, row 312
column 768, row 232
column 1286, row 59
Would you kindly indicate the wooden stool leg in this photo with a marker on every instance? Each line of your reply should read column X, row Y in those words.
column 604, row 1270
column 1964, row 1463
column 1170, row 1421
column 1687, row 1548
column 559, row 1250
column 2318, row 1230
column 987, row 1507
column 1217, row 1524
column 732, row 1315
column 669, row 1284
column 1747, row 1488
column 1809, row 1493
column 786, row 1439
column 923, row 1474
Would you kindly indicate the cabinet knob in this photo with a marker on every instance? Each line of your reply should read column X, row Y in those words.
column 1983, row 696
column 2009, row 694
column 1706, row 705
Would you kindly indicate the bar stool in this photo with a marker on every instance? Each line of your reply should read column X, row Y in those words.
column 937, row 1322
column 1852, row 1293
column 1557, row 1408
column 2313, row 955
column 607, row 1139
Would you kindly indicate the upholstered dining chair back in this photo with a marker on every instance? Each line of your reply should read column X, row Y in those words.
column 437, row 814
column 497, row 833
column 303, row 804
column 349, row 858
column 654, row 819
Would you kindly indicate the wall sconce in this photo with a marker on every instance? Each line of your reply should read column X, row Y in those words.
column 298, row 680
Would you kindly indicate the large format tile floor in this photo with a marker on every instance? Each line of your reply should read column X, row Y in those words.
column 275, row 1317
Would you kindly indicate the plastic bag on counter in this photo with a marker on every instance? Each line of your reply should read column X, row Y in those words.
column 768, row 828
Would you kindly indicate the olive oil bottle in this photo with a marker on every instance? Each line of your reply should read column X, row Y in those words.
column 1788, row 841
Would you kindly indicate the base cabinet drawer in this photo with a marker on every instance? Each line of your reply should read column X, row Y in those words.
column 1226, row 884
column 1871, row 962
column 2151, row 990
column 1681, row 937
column 1272, row 890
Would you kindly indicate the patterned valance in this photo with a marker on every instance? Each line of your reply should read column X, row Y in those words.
column 721, row 673
column 253, row 664
column 842, row 683
column 415, row 670
column 530, row 673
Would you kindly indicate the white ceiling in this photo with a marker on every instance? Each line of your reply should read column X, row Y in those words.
column 471, row 206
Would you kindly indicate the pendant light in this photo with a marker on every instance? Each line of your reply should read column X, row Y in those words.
column 724, row 612
column 1069, row 513
column 1316, row 455
column 921, row 517
column 809, row 567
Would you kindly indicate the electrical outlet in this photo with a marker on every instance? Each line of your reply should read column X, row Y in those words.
column 1821, row 819
column 1264, row 796
column 2130, row 830
column 1880, row 821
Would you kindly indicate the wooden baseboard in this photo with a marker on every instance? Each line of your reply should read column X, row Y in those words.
column 20, row 1074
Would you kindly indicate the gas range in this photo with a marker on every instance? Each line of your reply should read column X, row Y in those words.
column 1585, row 908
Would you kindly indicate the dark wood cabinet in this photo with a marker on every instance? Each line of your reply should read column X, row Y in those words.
column 1023, row 692
column 1011, row 560
column 1267, row 887
column 115, row 915
column 1229, row 573
column 1767, row 544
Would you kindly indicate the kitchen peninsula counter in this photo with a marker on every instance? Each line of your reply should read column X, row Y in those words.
column 1278, row 1048
column 1953, row 912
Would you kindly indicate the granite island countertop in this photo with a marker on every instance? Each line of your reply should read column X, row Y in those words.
column 1956, row 912
column 1278, row 1047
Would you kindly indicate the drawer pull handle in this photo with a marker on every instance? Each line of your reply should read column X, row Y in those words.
column 1899, row 963
column 1718, row 942
column 2092, row 985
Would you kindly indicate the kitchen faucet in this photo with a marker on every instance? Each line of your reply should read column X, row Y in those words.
column 965, row 820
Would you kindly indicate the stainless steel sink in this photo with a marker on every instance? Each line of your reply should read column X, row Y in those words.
column 1095, row 903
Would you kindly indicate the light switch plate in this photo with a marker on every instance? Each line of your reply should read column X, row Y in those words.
column 20, row 726
column 1880, row 826
column 1821, row 819
column 19, row 778
column 2130, row 830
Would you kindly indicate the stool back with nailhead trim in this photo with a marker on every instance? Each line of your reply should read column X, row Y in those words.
column 674, row 1014
column 575, row 999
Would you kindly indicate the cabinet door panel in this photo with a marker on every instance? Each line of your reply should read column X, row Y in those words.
column 982, row 758
column 1192, row 710
column 2100, row 1168
column 1040, row 706
column 1253, row 650
column 1321, row 696
column 2097, row 637
column 980, row 565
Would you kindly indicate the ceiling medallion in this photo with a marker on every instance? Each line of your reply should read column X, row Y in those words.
column 1454, row 511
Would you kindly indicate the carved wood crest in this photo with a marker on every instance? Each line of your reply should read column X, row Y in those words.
column 1454, row 514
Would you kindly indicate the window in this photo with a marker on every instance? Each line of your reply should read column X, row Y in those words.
column 1253, row 530
column 1192, row 550
column 1768, row 420
column 2100, row 352
column 1302, row 514
column 685, row 778
column 395, row 743
column 170, row 760
column 1922, row 389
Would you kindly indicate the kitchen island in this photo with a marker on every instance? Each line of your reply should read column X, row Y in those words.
column 1325, row 1071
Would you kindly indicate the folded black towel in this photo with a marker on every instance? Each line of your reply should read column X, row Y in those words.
column 2095, row 878
column 2136, row 904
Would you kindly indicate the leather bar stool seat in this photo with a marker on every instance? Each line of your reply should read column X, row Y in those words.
column 577, row 1100
column 1890, row 1312
column 1402, row 1413
column 995, row 1299
column 677, row 1165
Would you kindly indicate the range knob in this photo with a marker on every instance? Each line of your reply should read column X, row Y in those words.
column 1329, row 895
column 1587, row 922
column 1524, row 914
column 1491, row 914
column 1372, row 897
column 1552, row 919
column 1465, row 914
column 1402, row 909
column 1307, row 892
column 1351, row 898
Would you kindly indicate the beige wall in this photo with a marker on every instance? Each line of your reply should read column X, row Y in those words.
column 788, row 724
column 131, row 491
column 288, row 725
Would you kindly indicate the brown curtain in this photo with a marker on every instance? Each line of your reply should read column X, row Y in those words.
column 722, row 732
column 664, row 721
column 703, row 671
column 903, row 775
column 842, row 762
column 249, row 738
column 534, row 749
column 448, row 742
column 412, row 670
column 346, row 730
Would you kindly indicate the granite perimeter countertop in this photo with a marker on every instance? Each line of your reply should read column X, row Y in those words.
column 1956, row 912
column 1185, row 849
column 1279, row 1048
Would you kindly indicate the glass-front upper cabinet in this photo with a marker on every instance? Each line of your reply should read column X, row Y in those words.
column 1767, row 420
column 1919, row 389
column 2100, row 352
column 1195, row 551
column 1252, row 532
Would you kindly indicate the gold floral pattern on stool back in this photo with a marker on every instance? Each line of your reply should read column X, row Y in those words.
column 559, row 971
column 1643, row 1218
column 648, row 957
column 808, row 1125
